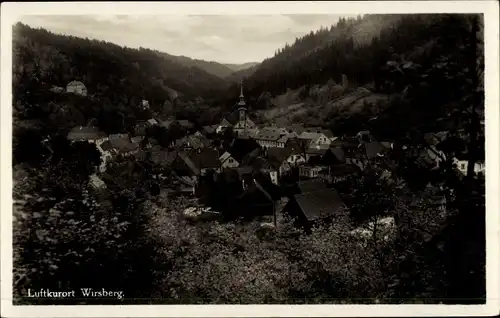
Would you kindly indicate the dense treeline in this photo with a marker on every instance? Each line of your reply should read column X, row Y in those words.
column 106, row 69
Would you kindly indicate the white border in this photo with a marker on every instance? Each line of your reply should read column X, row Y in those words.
column 9, row 12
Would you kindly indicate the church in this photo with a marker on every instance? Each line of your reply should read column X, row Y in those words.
column 238, row 119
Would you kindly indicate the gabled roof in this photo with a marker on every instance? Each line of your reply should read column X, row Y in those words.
column 96, row 182
column 137, row 139
column 279, row 154
column 208, row 129
column 317, row 151
column 185, row 123
column 373, row 149
column 152, row 122
column 267, row 187
column 310, row 135
column 122, row 143
column 162, row 156
column 226, row 155
column 85, row 133
column 196, row 142
column 268, row 134
column 205, row 158
column 189, row 163
column 106, row 146
column 338, row 153
column 241, row 147
column 310, row 185
column 320, row 203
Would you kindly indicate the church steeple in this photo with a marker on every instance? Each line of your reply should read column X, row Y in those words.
column 242, row 98
column 242, row 108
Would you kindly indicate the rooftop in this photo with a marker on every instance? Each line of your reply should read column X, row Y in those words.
column 320, row 203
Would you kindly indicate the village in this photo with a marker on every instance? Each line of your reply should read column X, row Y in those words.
column 259, row 172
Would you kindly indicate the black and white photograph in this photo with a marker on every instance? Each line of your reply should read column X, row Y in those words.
column 232, row 158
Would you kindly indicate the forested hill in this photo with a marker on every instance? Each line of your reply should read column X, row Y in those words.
column 422, row 58
column 108, row 69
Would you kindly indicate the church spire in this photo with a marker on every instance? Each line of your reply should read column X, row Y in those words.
column 241, row 90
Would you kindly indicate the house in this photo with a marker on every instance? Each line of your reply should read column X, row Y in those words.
column 122, row 144
column 151, row 122
column 249, row 133
column 462, row 164
column 271, row 137
column 90, row 134
column 339, row 173
column 277, row 157
column 186, row 124
column 316, row 138
column 227, row 161
column 429, row 157
column 76, row 87
column 137, row 139
column 57, row 89
column 208, row 130
column 144, row 104
column 310, row 185
column 316, row 151
column 240, row 147
column 140, row 128
column 310, row 207
column 107, row 153
column 196, row 142
column 310, row 171
column 205, row 159
column 162, row 156
column 165, row 123
column 96, row 183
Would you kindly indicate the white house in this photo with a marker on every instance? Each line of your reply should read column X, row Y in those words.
column 463, row 164
column 77, row 88
column 316, row 138
column 310, row 171
column 227, row 161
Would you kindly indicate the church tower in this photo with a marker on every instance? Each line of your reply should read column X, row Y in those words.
column 242, row 107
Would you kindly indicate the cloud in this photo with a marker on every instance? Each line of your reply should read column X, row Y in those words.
column 222, row 38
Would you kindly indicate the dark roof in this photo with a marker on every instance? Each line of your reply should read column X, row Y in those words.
column 232, row 117
column 310, row 185
column 373, row 149
column 316, row 151
column 277, row 155
column 338, row 153
column 267, row 187
column 197, row 142
column 185, row 123
column 239, row 148
column 268, row 134
column 106, row 146
column 251, row 156
column 122, row 144
column 319, row 204
column 163, row 156
column 205, row 158
column 85, row 133
column 297, row 143
column 328, row 133
column 189, row 163
column 208, row 129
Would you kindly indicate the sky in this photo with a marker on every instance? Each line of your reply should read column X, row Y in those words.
column 221, row 38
